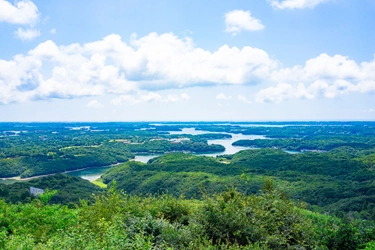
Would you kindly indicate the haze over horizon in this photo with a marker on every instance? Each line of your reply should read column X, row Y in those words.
column 198, row 60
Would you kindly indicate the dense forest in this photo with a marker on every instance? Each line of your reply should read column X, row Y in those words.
column 326, row 181
column 305, row 185
column 38, row 149
column 227, row 220
column 70, row 190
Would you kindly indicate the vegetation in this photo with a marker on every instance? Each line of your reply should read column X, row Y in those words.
column 329, row 182
column 227, row 220
column 183, row 201
column 161, row 146
column 31, row 149
column 321, row 143
column 69, row 189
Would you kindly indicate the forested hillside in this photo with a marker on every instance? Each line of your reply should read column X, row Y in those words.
column 326, row 181
column 303, row 186
column 227, row 220
column 31, row 149
column 70, row 190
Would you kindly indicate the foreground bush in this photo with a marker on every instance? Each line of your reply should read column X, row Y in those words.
column 228, row 220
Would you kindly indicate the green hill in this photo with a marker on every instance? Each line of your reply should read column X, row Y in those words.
column 69, row 189
column 326, row 181
column 227, row 220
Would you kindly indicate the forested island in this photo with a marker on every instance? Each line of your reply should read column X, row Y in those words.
column 303, row 185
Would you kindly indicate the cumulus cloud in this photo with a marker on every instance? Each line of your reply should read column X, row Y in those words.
column 322, row 77
column 318, row 89
column 222, row 96
column 26, row 34
column 149, row 97
column 113, row 66
column 327, row 67
column 166, row 60
column 154, row 62
column 130, row 99
column 23, row 12
column 237, row 20
column 281, row 92
column 295, row 4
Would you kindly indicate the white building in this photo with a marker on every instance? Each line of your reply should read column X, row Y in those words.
column 36, row 191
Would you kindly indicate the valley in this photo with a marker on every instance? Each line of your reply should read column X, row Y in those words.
column 326, row 168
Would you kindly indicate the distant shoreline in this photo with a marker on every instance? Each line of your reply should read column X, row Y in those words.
column 18, row 178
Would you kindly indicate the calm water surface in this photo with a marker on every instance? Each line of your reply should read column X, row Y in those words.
column 92, row 174
column 227, row 143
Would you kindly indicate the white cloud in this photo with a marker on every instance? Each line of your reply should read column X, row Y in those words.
column 113, row 66
column 282, row 92
column 222, row 96
column 150, row 97
column 295, row 4
column 23, row 12
column 52, row 31
column 27, row 34
column 237, row 20
column 327, row 67
column 154, row 62
column 318, row 89
column 94, row 104
column 167, row 60
column 322, row 77
column 130, row 99
column 243, row 99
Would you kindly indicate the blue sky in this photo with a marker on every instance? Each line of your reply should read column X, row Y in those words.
column 246, row 60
